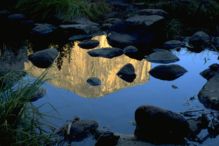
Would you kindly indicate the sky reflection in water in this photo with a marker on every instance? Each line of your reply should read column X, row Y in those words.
column 118, row 100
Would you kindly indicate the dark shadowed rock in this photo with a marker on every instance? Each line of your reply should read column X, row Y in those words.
column 43, row 29
column 38, row 94
column 146, row 20
column 107, row 139
column 168, row 72
column 77, row 130
column 197, row 124
column 162, row 56
column 159, row 125
column 120, row 40
column 16, row 17
column 211, row 71
column 127, row 73
column 130, row 50
column 79, row 28
column 80, row 37
column 106, row 52
column 159, row 12
column 199, row 40
column 173, row 44
column 44, row 58
column 216, row 42
column 209, row 94
column 93, row 81
column 90, row 44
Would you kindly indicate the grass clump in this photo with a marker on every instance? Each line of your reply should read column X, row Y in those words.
column 19, row 120
column 63, row 9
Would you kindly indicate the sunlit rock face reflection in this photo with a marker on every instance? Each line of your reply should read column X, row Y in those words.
column 75, row 67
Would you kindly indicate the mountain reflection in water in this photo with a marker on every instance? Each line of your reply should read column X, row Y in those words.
column 75, row 67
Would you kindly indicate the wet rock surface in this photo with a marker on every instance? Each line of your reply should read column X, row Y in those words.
column 107, row 139
column 200, row 40
column 44, row 58
column 158, row 12
column 127, row 73
column 146, row 20
column 173, row 44
column 120, row 40
column 168, row 72
column 211, row 71
column 162, row 56
column 106, row 52
column 89, row 44
column 158, row 125
column 43, row 30
column 77, row 130
column 94, row 81
column 79, row 37
column 209, row 94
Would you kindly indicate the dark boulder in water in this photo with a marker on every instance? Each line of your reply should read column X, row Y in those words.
column 90, row 44
column 168, row 72
column 160, row 126
column 127, row 73
column 162, row 56
column 44, row 58
column 106, row 52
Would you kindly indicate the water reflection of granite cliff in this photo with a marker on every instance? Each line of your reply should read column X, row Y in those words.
column 78, row 66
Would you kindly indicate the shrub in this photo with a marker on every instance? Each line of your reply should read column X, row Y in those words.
column 63, row 9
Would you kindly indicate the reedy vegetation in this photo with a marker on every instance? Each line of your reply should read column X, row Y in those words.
column 20, row 121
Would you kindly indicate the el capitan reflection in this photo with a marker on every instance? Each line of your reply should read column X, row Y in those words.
column 75, row 66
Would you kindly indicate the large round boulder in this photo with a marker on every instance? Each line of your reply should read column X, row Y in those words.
column 158, row 125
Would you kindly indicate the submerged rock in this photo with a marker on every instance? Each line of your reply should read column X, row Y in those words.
column 200, row 40
column 159, row 126
column 44, row 58
column 162, row 56
column 107, row 139
column 93, row 81
column 168, row 72
column 209, row 94
column 127, row 73
column 120, row 40
column 77, row 130
column 106, row 52
column 89, row 44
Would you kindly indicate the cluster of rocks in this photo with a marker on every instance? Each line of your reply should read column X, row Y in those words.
column 154, row 125
column 209, row 94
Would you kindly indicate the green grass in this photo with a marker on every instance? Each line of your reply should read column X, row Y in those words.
column 64, row 9
column 20, row 121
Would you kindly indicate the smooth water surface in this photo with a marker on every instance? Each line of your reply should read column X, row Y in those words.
column 113, row 103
